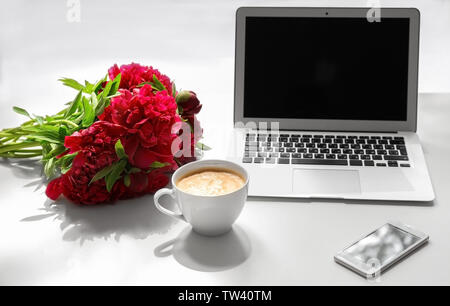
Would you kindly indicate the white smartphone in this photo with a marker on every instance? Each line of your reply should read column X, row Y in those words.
column 379, row 250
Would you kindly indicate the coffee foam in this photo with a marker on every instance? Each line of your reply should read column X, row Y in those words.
column 210, row 182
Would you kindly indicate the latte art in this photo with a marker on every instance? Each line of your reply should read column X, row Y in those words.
column 210, row 183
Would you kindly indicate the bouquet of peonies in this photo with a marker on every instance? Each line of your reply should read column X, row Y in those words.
column 115, row 140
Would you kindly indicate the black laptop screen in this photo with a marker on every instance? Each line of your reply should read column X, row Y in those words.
column 326, row 68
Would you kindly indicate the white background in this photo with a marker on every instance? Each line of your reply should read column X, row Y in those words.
column 193, row 43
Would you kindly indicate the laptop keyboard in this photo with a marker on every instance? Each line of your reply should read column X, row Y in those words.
column 338, row 150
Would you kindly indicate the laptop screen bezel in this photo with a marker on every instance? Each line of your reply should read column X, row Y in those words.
column 329, row 124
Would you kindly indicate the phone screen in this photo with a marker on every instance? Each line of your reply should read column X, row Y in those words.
column 384, row 244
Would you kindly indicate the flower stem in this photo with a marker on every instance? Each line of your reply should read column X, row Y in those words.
column 15, row 146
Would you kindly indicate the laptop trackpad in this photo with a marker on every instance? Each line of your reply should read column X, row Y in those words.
column 321, row 181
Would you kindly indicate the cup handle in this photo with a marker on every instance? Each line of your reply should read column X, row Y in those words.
column 160, row 193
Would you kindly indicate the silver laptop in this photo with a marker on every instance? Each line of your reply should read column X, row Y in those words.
column 326, row 103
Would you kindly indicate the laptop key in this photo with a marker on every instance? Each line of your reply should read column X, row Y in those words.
column 325, row 151
column 270, row 160
column 290, row 150
column 353, row 156
column 347, row 151
column 369, row 163
column 296, row 155
column 302, row 150
column 356, row 163
column 336, row 151
column 273, row 154
column 405, row 165
column 377, row 157
column 392, row 164
column 330, row 156
column 396, row 157
column 307, row 155
column 247, row 160
column 397, row 142
column 313, row 150
column 285, row 155
column 381, row 164
column 258, row 160
column 342, row 156
column 393, row 152
column 283, row 160
column 358, row 151
column 336, row 162
column 365, row 157
column 319, row 156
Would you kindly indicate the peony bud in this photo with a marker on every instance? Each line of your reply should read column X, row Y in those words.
column 189, row 103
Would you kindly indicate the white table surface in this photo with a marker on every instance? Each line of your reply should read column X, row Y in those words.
column 275, row 242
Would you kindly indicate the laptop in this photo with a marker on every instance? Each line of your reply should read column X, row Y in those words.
column 326, row 103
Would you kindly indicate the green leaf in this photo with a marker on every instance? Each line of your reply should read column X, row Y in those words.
column 74, row 105
column 89, row 87
column 114, row 95
column 49, row 168
column 39, row 119
column 21, row 111
column 174, row 90
column 144, row 83
column 202, row 146
column 116, row 84
column 102, row 173
column 89, row 115
column 120, row 151
column 158, row 84
column 72, row 83
column 134, row 170
column 94, row 101
column 66, row 161
column 156, row 165
column 127, row 180
column 107, row 88
column 99, row 84
column 114, row 175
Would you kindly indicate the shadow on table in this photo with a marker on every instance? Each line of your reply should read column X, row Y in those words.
column 207, row 254
column 137, row 218
column 26, row 168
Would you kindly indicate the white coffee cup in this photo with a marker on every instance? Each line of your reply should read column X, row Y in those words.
column 208, row 215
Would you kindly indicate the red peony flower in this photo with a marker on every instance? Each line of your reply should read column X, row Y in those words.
column 95, row 148
column 145, row 120
column 148, row 118
column 135, row 74
column 189, row 103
